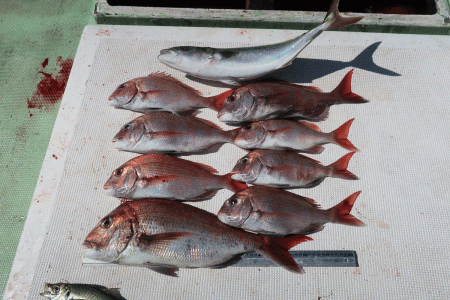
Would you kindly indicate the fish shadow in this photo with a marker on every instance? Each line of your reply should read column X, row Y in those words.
column 306, row 70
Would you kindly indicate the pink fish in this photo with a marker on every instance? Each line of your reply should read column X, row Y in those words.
column 267, row 210
column 282, row 100
column 162, row 92
column 163, row 176
column 165, row 235
column 287, row 169
column 291, row 135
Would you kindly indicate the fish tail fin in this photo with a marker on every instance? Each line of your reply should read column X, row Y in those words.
column 343, row 92
column 215, row 102
column 277, row 250
column 335, row 20
column 341, row 134
column 233, row 185
column 341, row 212
column 339, row 168
column 231, row 134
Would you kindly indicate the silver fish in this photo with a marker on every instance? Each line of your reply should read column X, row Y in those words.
column 287, row 169
column 163, row 176
column 291, row 135
column 283, row 100
column 161, row 92
column 269, row 210
column 165, row 235
column 232, row 65
column 68, row 291
column 165, row 132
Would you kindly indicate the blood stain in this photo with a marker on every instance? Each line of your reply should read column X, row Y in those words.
column 51, row 88
column 45, row 63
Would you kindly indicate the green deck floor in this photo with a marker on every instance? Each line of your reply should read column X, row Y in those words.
column 30, row 33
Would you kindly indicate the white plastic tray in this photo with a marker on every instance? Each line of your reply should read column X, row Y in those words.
column 403, row 135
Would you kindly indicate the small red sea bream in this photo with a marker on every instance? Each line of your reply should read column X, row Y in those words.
column 161, row 92
column 268, row 210
column 283, row 100
column 165, row 235
column 165, row 132
column 287, row 169
column 164, row 176
column 291, row 135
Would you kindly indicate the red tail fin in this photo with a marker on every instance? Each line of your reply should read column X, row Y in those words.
column 276, row 249
column 215, row 102
column 339, row 168
column 341, row 212
column 340, row 136
column 343, row 92
column 233, row 185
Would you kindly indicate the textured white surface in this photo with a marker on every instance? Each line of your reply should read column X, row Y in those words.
column 403, row 165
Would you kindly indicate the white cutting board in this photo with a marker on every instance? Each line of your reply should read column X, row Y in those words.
column 403, row 165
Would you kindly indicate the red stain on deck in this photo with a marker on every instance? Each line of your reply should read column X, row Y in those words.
column 45, row 63
column 51, row 88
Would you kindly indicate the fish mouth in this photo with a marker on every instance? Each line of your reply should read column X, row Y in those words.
column 89, row 245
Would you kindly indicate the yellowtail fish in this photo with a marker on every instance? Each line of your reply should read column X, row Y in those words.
column 233, row 65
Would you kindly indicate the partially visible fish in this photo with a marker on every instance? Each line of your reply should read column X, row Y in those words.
column 267, row 210
column 68, row 291
column 283, row 100
column 161, row 92
column 163, row 176
column 291, row 135
column 287, row 169
column 165, row 132
column 167, row 235
column 233, row 65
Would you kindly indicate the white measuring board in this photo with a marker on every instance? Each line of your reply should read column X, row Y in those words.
column 403, row 165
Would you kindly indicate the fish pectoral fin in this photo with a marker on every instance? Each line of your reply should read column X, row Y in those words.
column 164, row 134
column 165, row 270
column 152, row 93
column 160, row 241
column 235, row 259
column 310, row 125
column 157, row 179
column 280, row 131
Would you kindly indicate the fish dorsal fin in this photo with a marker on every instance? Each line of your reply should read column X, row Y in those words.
column 205, row 167
column 312, row 202
column 209, row 123
column 310, row 125
column 167, row 77
column 313, row 88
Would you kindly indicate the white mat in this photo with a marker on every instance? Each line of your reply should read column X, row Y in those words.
column 403, row 165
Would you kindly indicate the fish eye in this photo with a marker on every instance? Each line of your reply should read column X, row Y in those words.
column 232, row 201
column 118, row 172
column 126, row 126
column 55, row 289
column 232, row 98
column 248, row 127
column 106, row 223
column 245, row 160
column 122, row 86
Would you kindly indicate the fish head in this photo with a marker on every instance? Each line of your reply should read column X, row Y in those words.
column 186, row 58
column 129, row 135
column 112, row 235
column 236, row 210
column 122, row 181
column 123, row 94
column 250, row 136
column 237, row 107
column 59, row 291
column 247, row 168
